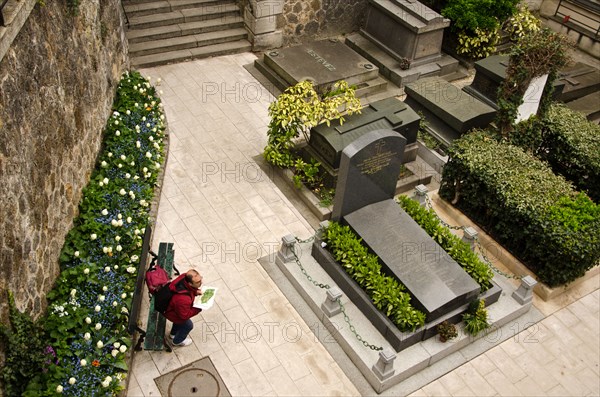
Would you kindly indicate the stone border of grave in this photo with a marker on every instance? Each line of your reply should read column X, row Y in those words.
column 416, row 365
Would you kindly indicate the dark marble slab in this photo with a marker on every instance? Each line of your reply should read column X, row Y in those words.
column 436, row 282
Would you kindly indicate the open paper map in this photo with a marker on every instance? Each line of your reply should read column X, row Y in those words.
column 206, row 300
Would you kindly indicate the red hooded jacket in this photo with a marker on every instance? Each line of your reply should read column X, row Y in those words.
column 180, row 307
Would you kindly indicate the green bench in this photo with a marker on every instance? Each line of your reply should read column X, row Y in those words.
column 154, row 335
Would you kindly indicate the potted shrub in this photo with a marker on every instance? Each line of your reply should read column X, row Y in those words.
column 446, row 331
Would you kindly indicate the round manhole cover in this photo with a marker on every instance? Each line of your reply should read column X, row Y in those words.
column 194, row 382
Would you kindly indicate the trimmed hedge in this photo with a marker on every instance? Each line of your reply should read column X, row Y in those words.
column 386, row 292
column 457, row 249
column 553, row 229
column 573, row 148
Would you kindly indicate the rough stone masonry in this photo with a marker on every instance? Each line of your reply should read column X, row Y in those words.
column 57, row 84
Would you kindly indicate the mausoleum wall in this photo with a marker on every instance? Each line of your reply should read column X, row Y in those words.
column 57, row 83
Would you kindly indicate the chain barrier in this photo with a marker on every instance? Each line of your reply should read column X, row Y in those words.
column 326, row 287
column 482, row 251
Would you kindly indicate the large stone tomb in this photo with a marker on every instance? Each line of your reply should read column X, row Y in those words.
column 449, row 111
column 404, row 39
column 406, row 29
column 323, row 62
column 327, row 141
column 436, row 282
column 490, row 73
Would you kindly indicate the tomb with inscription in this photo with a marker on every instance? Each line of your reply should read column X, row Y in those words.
column 324, row 62
column 364, row 201
column 404, row 39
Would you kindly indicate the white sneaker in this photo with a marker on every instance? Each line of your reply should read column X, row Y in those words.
column 185, row 342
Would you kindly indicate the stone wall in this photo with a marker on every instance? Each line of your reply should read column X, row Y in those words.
column 306, row 19
column 57, row 84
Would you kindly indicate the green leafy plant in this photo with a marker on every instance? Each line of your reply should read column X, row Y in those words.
column 469, row 15
column 476, row 319
column 26, row 353
column 325, row 195
column 521, row 23
column 478, row 44
column 457, row 249
column 300, row 108
column 517, row 198
column 387, row 294
column 446, row 331
column 308, row 174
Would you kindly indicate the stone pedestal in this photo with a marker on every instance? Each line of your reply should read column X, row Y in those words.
column 406, row 29
column 262, row 21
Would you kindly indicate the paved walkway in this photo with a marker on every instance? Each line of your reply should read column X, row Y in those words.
column 223, row 212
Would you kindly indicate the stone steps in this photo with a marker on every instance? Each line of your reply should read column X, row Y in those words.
column 168, row 31
column 163, row 58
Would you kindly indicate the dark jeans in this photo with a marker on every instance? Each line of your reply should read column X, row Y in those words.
column 181, row 331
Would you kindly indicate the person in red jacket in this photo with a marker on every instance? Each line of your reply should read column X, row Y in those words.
column 181, row 309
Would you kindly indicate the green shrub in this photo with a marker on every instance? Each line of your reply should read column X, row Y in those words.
column 386, row 293
column 522, row 23
column 519, row 200
column 478, row 44
column 572, row 147
column 470, row 15
column 476, row 318
column 457, row 249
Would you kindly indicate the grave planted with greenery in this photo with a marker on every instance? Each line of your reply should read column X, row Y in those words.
column 84, row 331
column 553, row 229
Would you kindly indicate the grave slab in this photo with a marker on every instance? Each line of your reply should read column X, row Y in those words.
column 328, row 142
column 324, row 62
column 436, row 282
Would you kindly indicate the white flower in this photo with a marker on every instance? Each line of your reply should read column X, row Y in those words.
column 108, row 378
column 123, row 349
column 124, row 310
column 105, row 250
column 162, row 117
column 156, row 145
column 149, row 155
column 104, row 164
column 122, row 192
column 141, row 90
column 101, row 298
column 136, row 232
column 107, row 269
column 116, row 267
column 132, row 163
column 93, row 236
column 105, row 383
column 123, row 157
column 86, row 336
column 114, row 352
column 86, row 271
column 101, row 183
column 136, row 177
column 148, row 125
column 123, row 295
column 88, row 320
column 131, row 269
column 110, row 249
column 119, row 216
column 72, row 381
column 98, row 326
column 117, row 133
column 99, row 345
column 110, row 154
column 59, row 389
column 83, row 362
column 73, row 292
column 97, row 308
column 138, row 144
column 151, row 138
column 128, row 112
column 115, row 303
column 117, row 238
column 116, row 122
column 104, row 288
column 129, row 218
column 116, row 114
column 120, row 222
column 114, row 222
column 145, row 170
column 134, row 258
column 76, row 254
column 119, row 248
column 105, row 212
column 144, row 118
column 105, row 180
column 120, row 165
column 127, row 175
column 323, row 244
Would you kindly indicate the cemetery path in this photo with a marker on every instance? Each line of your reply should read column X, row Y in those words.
column 223, row 211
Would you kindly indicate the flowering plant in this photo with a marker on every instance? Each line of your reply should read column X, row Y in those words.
column 89, row 305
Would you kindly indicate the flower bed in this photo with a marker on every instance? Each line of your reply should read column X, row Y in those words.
column 89, row 305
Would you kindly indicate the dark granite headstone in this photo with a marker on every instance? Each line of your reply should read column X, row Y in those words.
column 406, row 29
column 327, row 142
column 369, row 170
column 490, row 73
column 323, row 62
column 436, row 282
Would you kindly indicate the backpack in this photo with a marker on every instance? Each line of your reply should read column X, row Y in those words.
column 158, row 284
